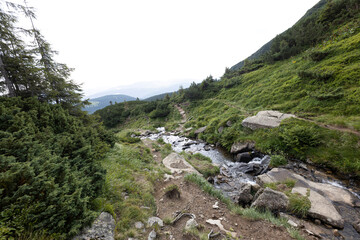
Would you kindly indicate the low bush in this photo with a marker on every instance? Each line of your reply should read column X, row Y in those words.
column 277, row 160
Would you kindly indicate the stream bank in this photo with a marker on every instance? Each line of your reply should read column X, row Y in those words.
column 234, row 176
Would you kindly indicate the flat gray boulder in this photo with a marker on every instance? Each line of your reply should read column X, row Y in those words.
column 265, row 119
column 331, row 192
column 177, row 164
column 271, row 200
column 200, row 130
column 102, row 229
column 321, row 208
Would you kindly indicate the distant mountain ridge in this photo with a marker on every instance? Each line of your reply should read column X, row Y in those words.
column 101, row 102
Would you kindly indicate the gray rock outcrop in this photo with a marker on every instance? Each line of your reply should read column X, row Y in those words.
column 265, row 119
column 321, row 208
column 331, row 192
column 271, row 200
column 240, row 147
column 102, row 229
column 177, row 164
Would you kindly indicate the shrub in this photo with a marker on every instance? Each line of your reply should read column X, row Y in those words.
column 277, row 160
column 298, row 138
column 318, row 55
column 49, row 169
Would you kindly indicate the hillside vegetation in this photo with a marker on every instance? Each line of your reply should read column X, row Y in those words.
column 50, row 151
column 316, row 77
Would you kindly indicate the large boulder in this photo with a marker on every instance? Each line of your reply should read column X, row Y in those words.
column 245, row 197
column 265, row 119
column 331, row 192
column 177, row 164
column 240, row 147
column 321, row 208
column 102, row 229
column 271, row 200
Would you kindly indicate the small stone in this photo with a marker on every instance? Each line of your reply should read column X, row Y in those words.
column 292, row 223
column 152, row 235
column 336, row 233
column 191, row 223
column 153, row 220
column 215, row 206
column 201, row 216
column 236, row 224
column 139, row 225
column 317, row 221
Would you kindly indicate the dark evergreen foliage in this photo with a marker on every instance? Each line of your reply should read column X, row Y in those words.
column 49, row 169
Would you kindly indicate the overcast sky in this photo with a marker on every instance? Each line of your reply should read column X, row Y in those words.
column 113, row 43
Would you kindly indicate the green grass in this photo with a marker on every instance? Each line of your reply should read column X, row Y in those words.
column 298, row 204
column 277, row 160
column 131, row 174
column 325, row 90
column 202, row 163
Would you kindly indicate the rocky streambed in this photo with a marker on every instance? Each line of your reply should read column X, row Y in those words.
column 335, row 208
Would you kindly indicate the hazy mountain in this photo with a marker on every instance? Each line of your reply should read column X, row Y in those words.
column 101, row 102
column 158, row 97
column 144, row 89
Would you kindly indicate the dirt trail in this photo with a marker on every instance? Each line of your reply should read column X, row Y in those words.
column 195, row 201
column 332, row 127
column 181, row 127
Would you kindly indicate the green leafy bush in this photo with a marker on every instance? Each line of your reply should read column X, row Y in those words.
column 49, row 169
column 277, row 160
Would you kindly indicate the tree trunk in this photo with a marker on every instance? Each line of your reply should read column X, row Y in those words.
column 8, row 82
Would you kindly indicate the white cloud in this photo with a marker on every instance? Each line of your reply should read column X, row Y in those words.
column 112, row 42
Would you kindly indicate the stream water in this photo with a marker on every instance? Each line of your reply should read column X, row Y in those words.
column 239, row 171
column 233, row 175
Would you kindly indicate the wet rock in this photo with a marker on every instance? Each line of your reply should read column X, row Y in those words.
column 272, row 200
column 255, row 187
column 200, row 130
column 243, row 157
column 245, row 196
column 207, row 148
column 152, row 220
column 191, row 223
column 356, row 226
column 102, row 229
column 265, row 119
column 240, row 147
column 321, row 208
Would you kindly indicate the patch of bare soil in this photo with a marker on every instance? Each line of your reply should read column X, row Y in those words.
column 195, row 201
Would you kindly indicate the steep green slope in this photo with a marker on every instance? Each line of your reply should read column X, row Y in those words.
column 321, row 84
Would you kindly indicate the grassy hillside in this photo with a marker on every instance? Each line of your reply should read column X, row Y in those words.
column 322, row 84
